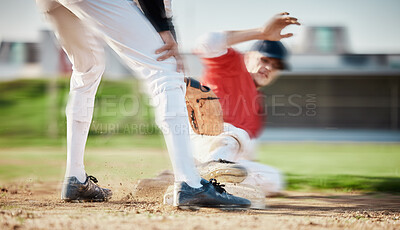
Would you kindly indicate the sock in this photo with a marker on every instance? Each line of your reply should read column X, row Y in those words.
column 77, row 133
column 173, row 121
column 182, row 160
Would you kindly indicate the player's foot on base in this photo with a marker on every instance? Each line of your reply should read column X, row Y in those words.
column 223, row 171
column 210, row 195
column 75, row 191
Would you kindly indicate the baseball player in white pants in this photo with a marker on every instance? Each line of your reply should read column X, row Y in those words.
column 78, row 25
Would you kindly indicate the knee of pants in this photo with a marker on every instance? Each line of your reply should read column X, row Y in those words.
column 83, row 88
column 164, row 82
column 85, row 77
column 170, row 108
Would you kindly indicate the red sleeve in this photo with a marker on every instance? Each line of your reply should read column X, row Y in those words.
column 225, row 66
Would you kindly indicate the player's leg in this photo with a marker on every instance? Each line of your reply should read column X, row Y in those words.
column 231, row 145
column 225, row 146
column 235, row 145
column 127, row 31
column 209, row 148
column 269, row 179
column 217, row 154
column 87, row 56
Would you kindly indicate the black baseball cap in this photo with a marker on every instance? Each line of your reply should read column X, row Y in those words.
column 272, row 49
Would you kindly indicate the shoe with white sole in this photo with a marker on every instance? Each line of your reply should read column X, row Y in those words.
column 210, row 195
column 223, row 171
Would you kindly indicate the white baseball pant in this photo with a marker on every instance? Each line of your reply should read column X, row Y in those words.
column 78, row 24
column 234, row 144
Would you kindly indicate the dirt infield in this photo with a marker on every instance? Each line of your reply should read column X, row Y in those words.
column 37, row 206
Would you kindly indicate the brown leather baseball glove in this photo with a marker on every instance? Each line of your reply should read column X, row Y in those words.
column 204, row 109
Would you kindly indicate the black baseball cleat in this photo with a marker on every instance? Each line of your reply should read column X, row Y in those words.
column 75, row 191
column 210, row 195
column 223, row 171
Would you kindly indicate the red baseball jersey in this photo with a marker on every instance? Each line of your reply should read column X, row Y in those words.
column 241, row 103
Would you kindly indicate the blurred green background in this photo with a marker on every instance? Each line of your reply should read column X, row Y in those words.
column 124, row 143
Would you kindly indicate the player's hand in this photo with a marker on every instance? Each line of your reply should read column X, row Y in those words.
column 272, row 30
column 170, row 49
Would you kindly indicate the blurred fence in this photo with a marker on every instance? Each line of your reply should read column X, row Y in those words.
column 356, row 101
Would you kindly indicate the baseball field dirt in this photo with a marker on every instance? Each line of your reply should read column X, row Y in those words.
column 37, row 206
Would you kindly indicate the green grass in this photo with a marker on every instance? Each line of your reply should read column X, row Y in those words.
column 346, row 166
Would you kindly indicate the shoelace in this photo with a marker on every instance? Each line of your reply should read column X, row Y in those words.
column 92, row 178
column 218, row 187
column 225, row 161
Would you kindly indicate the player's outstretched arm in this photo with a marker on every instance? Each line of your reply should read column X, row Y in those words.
column 215, row 44
column 270, row 31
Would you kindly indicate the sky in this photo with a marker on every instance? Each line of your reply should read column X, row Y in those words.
column 372, row 25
